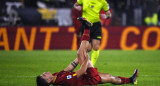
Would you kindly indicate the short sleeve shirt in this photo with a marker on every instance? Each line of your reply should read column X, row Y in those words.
column 92, row 8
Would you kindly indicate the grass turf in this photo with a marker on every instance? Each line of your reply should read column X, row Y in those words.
column 20, row 68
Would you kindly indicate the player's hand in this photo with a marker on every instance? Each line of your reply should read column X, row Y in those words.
column 108, row 14
column 104, row 16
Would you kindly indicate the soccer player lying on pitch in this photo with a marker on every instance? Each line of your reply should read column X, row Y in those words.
column 86, row 75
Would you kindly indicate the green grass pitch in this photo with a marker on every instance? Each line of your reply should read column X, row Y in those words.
column 19, row 68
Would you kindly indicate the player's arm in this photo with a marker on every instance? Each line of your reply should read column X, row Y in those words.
column 77, row 6
column 83, row 67
column 72, row 66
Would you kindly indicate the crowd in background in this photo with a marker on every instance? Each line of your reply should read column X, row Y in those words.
column 135, row 12
column 125, row 12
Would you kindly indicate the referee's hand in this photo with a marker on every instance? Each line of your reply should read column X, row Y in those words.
column 104, row 16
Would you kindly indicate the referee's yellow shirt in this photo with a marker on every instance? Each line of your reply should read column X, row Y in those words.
column 91, row 9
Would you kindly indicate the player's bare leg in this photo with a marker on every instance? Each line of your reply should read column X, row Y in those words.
column 107, row 78
column 89, row 62
column 84, row 46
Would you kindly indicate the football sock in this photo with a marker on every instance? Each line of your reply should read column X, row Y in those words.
column 125, row 80
column 86, row 35
column 94, row 56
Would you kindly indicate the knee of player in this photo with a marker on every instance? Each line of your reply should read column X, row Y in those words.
column 111, row 78
column 109, row 75
column 105, row 78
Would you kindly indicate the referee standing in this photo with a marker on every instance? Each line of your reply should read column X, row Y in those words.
column 90, row 11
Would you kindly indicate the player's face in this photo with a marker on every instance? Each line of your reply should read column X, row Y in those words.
column 46, row 76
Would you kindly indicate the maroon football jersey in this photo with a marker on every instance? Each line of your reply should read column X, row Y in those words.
column 65, row 78
column 70, row 78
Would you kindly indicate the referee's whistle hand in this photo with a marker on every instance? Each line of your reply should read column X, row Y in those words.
column 103, row 16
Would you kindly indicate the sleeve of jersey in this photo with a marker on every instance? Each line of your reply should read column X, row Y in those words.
column 79, row 2
column 106, row 6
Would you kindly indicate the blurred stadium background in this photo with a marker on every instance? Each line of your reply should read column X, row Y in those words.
column 50, row 12
column 38, row 36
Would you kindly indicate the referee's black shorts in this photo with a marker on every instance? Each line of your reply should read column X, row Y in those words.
column 95, row 31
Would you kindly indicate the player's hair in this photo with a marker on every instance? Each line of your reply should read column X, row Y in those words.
column 41, row 82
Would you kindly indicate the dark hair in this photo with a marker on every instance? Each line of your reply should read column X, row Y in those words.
column 41, row 82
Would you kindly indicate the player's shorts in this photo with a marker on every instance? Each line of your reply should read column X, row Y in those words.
column 91, row 78
column 95, row 31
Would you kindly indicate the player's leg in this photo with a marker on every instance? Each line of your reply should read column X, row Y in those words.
column 84, row 45
column 107, row 78
column 85, row 39
column 95, row 50
column 82, row 53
